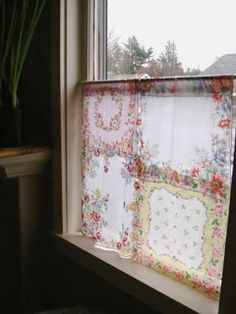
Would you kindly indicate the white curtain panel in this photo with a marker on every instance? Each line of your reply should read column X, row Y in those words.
column 109, row 123
column 156, row 173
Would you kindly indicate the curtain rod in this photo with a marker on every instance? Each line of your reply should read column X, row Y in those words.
column 163, row 78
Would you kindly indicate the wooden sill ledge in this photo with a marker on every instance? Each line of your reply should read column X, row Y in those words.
column 20, row 162
column 16, row 151
column 156, row 290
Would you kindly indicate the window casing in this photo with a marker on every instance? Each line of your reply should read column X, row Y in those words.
column 71, row 48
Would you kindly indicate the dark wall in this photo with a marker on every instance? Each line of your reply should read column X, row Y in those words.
column 34, row 95
column 70, row 285
column 10, row 276
column 34, row 89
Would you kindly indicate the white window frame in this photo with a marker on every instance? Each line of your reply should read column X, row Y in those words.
column 78, row 54
column 96, row 40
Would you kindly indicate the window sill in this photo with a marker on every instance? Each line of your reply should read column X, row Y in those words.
column 16, row 165
column 158, row 291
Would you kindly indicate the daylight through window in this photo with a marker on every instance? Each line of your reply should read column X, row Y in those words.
column 168, row 38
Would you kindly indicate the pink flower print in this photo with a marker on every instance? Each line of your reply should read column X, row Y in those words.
column 197, row 283
column 154, row 173
column 215, row 252
column 136, row 185
column 217, row 97
column 97, row 236
column 180, row 275
column 125, row 241
column 95, row 216
column 142, row 143
column 204, row 188
column 217, row 232
column 212, row 272
column 140, row 166
column 119, row 245
column 139, row 241
column 97, row 152
column 140, row 254
column 138, row 224
column 185, row 181
column 85, row 110
column 195, row 172
column 219, row 209
column 138, row 121
column 150, row 261
column 105, row 169
column 130, row 167
column 209, row 286
column 224, row 124
column 99, row 122
column 175, row 177
column 206, row 163
column 166, row 269
column 86, row 198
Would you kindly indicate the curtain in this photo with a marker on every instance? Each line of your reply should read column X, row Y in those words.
column 156, row 173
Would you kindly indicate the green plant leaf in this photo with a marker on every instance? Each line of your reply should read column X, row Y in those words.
column 17, row 41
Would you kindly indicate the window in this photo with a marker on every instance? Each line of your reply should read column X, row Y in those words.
column 166, row 38
column 75, row 66
column 156, row 173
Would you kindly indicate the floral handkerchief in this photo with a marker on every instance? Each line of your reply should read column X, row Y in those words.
column 157, row 173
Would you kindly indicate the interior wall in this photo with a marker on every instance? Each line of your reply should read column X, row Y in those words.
column 71, row 285
column 34, row 89
column 10, row 276
column 34, row 97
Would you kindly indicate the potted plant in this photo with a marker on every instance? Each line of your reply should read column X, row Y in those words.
column 18, row 22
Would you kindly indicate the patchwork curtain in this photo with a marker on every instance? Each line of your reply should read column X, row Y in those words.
column 156, row 173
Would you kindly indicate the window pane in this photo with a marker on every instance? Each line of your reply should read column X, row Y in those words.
column 165, row 38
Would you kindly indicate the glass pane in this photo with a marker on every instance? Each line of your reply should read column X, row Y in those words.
column 167, row 38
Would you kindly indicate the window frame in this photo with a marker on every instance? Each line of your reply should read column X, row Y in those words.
column 78, row 54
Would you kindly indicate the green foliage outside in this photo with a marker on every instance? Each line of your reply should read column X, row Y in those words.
column 131, row 57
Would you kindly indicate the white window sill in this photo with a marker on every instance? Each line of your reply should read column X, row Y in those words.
column 157, row 290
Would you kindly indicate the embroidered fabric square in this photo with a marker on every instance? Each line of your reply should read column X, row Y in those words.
column 106, row 197
column 186, row 133
column 181, row 233
column 157, row 173
column 184, row 181
column 109, row 117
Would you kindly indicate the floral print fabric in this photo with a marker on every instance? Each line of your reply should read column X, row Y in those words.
column 156, row 173
column 109, row 115
column 106, row 197
column 181, row 233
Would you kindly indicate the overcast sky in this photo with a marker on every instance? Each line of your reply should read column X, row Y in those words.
column 202, row 29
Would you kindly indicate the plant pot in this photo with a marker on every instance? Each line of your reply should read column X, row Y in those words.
column 10, row 126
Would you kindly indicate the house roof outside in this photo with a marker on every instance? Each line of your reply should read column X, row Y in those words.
column 223, row 65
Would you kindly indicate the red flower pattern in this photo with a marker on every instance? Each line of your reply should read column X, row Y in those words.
column 96, row 216
column 224, row 124
column 216, row 185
